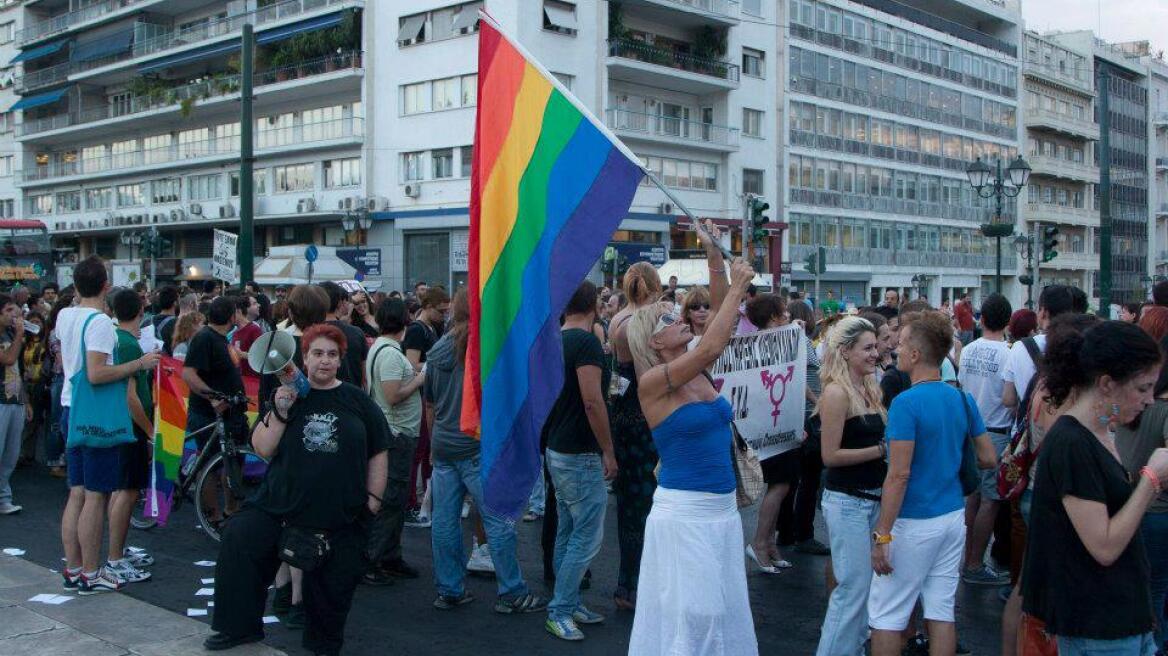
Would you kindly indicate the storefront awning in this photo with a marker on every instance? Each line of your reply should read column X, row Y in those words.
column 190, row 56
column 29, row 102
column 39, row 51
column 291, row 30
column 107, row 46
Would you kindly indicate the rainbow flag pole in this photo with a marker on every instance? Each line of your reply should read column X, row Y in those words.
column 549, row 186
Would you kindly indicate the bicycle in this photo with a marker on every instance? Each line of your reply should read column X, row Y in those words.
column 237, row 466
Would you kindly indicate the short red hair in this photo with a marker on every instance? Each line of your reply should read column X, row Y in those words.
column 327, row 331
column 1155, row 321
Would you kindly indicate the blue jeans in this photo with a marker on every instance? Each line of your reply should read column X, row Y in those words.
column 850, row 521
column 1154, row 530
column 581, row 500
column 1139, row 645
column 55, row 447
column 451, row 481
column 535, row 503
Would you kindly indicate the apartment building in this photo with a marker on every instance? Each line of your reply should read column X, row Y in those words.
column 1061, row 134
column 888, row 104
column 129, row 117
column 691, row 86
column 10, row 25
column 1158, row 157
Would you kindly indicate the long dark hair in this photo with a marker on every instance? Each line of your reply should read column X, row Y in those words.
column 1077, row 358
column 460, row 323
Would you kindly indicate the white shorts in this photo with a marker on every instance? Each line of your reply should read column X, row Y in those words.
column 926, row 560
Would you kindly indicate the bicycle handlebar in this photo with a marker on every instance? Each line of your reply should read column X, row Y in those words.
column 231, row 399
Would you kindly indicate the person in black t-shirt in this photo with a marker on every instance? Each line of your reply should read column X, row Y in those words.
column 1086, row 574
column 327, row 474
column 421, row 335
column 353, row 366
column 209, row 368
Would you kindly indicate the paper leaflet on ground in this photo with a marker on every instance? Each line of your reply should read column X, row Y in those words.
column 171, row 448
column 13, row 551
column 51, row 599
column 764, row 377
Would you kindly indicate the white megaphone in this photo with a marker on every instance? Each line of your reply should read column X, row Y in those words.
column 272, row 353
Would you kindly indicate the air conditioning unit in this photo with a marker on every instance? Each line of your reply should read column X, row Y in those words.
column 412, row 190
column 226, row 211
column 158, row 218
column 376, row 203
column 306, row 205
column 178, row 215
column 341, row 203
column 196, row 209
column 665, row 208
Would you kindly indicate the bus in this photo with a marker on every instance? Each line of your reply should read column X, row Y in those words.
column 26, row 256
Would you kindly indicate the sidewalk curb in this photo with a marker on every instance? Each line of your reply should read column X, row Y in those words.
column 107, row 624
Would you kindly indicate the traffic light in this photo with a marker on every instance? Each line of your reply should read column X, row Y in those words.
column 1049, row 243
column 758, row 220
column 816, row 262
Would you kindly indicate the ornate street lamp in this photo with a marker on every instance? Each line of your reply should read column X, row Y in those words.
column 998, row 187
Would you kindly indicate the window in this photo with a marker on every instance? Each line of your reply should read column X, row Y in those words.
column 752, row 181
column 194, row 143
column 7, row 32
column 565, row 79
column 8, row 208
column 6, row 122
column 753, row 62
column 101, row 198
column 275, row 130
column 342, row 172
column 129, row 195
column 466, row 160
column 227, row 138
column 39, row 205
column 470, row 89
column 411, row 29
column 166, row 190
column 5, row 166
column 205, row 187
column 259, row 182
column 752, row 7
column 412, row 167
column 294, row 177
column 322, row 123
column 446, row 93
column 69, row 201
column 559, row 17
column 752, row 122
column 123, row 153
column 415, row 98
column 682, row 174
column 157, row 149
column 443, row 162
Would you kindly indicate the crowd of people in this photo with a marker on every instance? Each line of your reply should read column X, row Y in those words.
column 991, row 446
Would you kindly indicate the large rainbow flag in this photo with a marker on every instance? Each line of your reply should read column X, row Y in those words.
column 549, row 186
column 171, row 448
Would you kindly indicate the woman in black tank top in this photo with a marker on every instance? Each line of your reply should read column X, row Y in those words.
column 854, row 454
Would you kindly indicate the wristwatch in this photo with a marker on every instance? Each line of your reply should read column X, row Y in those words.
column 881, row 539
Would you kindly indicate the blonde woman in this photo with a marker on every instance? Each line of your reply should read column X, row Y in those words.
column 693, row 597
column 852, row 419
column 184, row 329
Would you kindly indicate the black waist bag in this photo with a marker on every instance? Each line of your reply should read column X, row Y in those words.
column 303, row 548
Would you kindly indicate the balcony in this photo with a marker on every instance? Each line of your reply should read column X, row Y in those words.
column 63, row 22
column 686, row 13
column 268, row 141
column 867, row 257
column 886, row 205
column 43, row 78
column 648, row 65
column 1161, row 164
column 210, row 89
column 1163, row 211
column 1044, row 119
column 214, row 30
column 661, row 129
column 1160, row 119
column 1052, row 167
column 1061, row 215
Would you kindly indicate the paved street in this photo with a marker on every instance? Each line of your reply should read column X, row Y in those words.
column 399, row 619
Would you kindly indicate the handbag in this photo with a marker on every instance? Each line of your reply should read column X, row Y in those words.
column 303, row 548
column 749, row 483
column 1033, row 640
column 99, row 416
column 969, row 474
column 1016, row 463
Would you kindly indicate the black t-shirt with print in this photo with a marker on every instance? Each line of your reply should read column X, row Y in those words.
column 420, row 336
column 317, row 477
column 567, row 428
column 1062, row 584
column 207, row 354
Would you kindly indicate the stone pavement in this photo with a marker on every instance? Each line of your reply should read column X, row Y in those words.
column 109, row 624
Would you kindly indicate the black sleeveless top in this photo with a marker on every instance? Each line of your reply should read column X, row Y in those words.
column 860, row 432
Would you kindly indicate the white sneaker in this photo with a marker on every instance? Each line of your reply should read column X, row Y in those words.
column 480, row 559
column 9, row 508
column 138, row 557
column 125, row 572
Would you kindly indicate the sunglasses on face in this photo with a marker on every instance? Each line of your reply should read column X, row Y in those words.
column 664, row 321
column 698, row 306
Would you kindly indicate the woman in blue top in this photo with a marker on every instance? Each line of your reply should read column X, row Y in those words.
column 692, row 594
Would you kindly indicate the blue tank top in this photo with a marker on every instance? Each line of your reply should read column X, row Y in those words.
column 694, row 446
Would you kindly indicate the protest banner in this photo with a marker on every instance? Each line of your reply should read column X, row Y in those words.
column 764, row 377
column 223, row 264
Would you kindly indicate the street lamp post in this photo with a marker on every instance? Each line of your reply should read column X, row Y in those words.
column 998, row 188
column 357, row 222
column 151, row 241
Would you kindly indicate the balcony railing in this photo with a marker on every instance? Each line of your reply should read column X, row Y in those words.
column 1043, row 164
column 203, row 90
column 219, row 27
column 226, row 146
column 674, row 129
column 1077, row 125
column 886, row 205
column 883, row 256
column 1053, row 211
column 644, row 52
column 727, row 8
column 43, row 77
column 62, row 22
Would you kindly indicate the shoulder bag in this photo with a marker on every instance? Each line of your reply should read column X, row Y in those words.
column 749, row 483
column 303, row 548
column 99, row 416
column 969, row 474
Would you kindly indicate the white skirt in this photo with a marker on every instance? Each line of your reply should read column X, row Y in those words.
column 691, row 595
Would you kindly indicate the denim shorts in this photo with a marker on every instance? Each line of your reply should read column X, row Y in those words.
column 1137, row 645
column 95, row 469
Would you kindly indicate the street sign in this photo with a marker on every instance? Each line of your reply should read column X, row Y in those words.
column 125, row 274
column 311, row 253
column 223, row 256
column 367, row 261
column 459, row 251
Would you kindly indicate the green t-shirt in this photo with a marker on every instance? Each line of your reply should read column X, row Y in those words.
column 388, row 362
column 830, row 307
column 127, row 350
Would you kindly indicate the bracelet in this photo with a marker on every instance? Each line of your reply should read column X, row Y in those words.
column 1147, row 473
column 723, row 270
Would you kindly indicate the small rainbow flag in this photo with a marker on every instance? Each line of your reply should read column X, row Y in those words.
column 171, row 448
column 549, row 186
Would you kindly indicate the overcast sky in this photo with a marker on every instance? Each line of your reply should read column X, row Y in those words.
column 1120, row 20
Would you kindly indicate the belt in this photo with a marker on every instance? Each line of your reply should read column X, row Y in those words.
column 852, row 492
column 1004, row 430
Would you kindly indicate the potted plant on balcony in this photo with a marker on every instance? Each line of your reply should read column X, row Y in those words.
column 186, row 106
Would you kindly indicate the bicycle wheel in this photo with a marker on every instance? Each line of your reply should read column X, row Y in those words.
column 138, row 517
column 224, row 484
